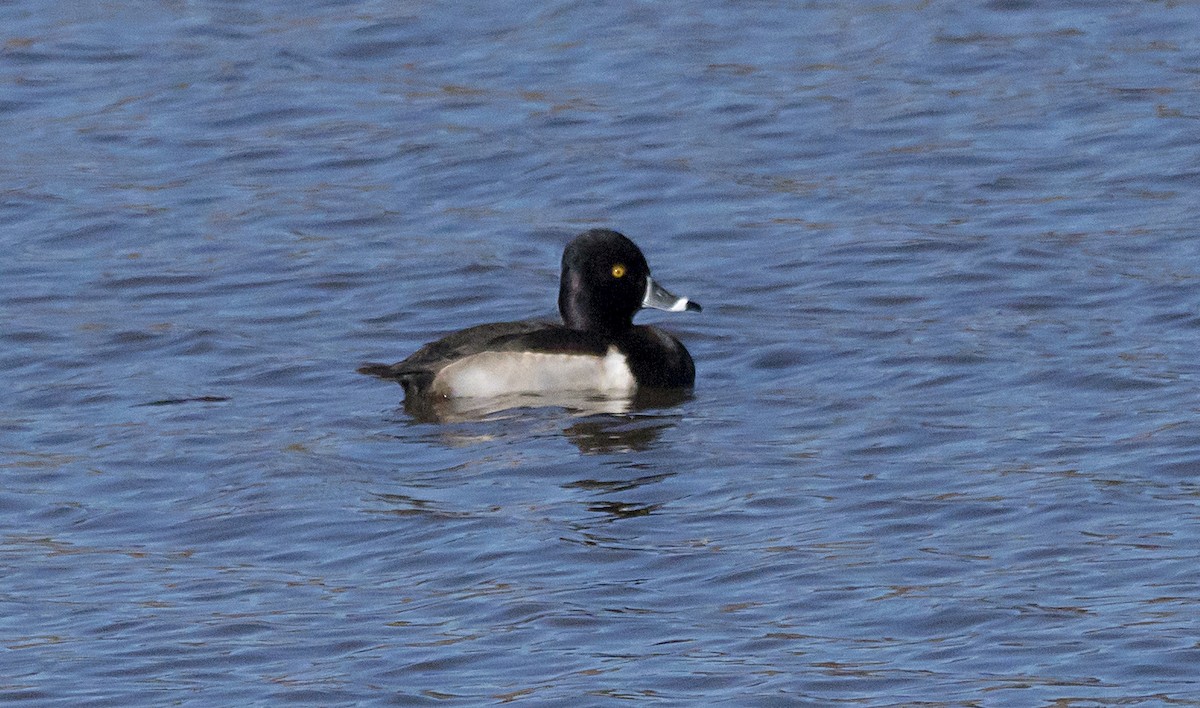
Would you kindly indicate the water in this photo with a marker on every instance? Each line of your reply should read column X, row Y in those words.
column 943, row 443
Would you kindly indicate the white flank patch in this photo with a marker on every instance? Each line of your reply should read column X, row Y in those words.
column 501, row 373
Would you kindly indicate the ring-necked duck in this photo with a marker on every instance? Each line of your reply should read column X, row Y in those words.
column 605, row 280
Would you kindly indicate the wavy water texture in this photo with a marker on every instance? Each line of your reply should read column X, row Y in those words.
column 942, row 447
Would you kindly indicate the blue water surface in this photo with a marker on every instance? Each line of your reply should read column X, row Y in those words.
column 943, row 447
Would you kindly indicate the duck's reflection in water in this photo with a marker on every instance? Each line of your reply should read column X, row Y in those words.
column 602, row 424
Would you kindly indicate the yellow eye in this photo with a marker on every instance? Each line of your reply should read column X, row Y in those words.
column 618, row 271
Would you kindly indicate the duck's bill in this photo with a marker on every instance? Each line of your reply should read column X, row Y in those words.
column 660, row 298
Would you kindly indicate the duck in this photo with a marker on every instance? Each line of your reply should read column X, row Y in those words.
column 595, row 350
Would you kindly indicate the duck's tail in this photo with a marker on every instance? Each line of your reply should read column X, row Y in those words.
column 383, row 371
